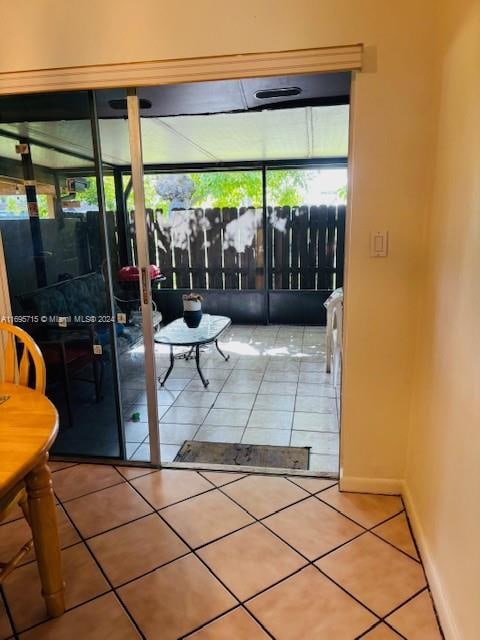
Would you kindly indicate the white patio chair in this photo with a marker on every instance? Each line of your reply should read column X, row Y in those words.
column 334, row 342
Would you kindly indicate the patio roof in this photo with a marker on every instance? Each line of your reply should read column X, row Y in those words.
column 295, row 133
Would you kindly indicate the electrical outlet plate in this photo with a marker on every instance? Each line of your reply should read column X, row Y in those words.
column 379, row 244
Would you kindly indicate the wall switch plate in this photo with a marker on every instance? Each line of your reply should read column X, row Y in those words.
column 379, row 244
column 97, row 349
column 122, row 318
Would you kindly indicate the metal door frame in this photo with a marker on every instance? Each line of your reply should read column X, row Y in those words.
column 141, row 239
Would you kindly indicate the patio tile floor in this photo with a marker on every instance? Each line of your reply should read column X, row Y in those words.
column 219, row 555
column 273, row 390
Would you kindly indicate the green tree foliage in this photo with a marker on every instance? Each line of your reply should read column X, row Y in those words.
column 285, row 187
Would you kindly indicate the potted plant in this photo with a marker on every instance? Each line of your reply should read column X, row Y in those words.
column 192, row 309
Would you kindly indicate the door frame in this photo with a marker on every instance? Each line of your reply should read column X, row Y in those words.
column 198, row 69
column 143, row 259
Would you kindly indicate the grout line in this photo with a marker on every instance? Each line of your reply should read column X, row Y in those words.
column 260, row 521
column 3, row 598
column 107, row 579
column 193, row 551
column 88, row 493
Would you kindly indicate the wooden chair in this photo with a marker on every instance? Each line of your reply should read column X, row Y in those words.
column 18, row 352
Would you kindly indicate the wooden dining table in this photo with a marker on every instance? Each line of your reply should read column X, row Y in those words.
column 28, row 427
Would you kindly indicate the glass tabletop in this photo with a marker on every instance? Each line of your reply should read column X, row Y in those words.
column 177, row 333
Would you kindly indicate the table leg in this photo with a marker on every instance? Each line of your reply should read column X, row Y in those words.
column 43, row 520
column 197, row 360
column 225, row 357
column 169, row 371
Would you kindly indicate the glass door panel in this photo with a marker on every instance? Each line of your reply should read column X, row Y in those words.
column 132, row 276
column 53, row 227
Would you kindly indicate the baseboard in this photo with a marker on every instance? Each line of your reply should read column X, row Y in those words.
column 444, row 611
column 390, row 486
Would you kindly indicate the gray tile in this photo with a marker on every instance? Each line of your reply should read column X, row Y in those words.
column 317, row 389
column 244, row 375
column 313, row 367
column 320, row 442
column 227, row 417
column 279, row 438
column 177, row 373
column 278, row 388
column 275, row 402
column 324, row 463
column 217, row 362
column 166, row 397
column 245, row 386
column 142, row 453
column 197, row 385
column 315, row 377
column 130, row 409
column 213, row 373
column 219, row 434
column 255, row 363
column 315, row 421
column 168, row 452
column 234, row 400
column 171, row 433
column 136, row 431
column 265, row 419
column 281, row 376
column 315, row 405
column 283, row 365
column 185, row 415
column 176, row 384
column 133, row 396
column 190, row 398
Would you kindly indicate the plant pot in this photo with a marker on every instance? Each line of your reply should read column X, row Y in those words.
column 192, row 313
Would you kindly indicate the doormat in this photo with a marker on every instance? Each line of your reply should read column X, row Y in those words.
column 249, row 455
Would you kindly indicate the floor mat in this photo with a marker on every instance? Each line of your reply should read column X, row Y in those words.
column 251, row 455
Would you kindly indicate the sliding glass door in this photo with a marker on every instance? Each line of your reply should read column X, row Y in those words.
column 64, row 222
column 52, row 223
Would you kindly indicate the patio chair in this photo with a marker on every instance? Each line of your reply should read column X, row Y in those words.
column 18, row 352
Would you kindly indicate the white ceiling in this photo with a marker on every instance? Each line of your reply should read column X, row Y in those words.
column 298, row 133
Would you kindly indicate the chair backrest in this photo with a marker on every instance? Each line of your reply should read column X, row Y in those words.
column 17, row 351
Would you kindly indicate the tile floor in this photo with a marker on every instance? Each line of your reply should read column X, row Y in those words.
column 273, row 390
column 171, row 554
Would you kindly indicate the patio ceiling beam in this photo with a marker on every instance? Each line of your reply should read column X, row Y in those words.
column 50, row 147
column 246, row 165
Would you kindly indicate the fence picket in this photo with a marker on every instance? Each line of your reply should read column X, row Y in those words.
column 330, row 246
column 340, row 246
column 197, row 250
column 194, row 248
column 231, row 257
column 214, row 249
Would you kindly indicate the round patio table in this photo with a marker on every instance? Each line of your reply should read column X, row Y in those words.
column 177, row 334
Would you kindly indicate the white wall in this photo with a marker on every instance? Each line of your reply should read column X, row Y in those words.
column 443, row 473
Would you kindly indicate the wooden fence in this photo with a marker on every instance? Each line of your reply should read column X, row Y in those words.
column 224, row 248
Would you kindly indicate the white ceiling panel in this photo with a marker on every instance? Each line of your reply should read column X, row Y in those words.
column 307, row 132
column 279, row 134
column 257, row 135
column 330, row 131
